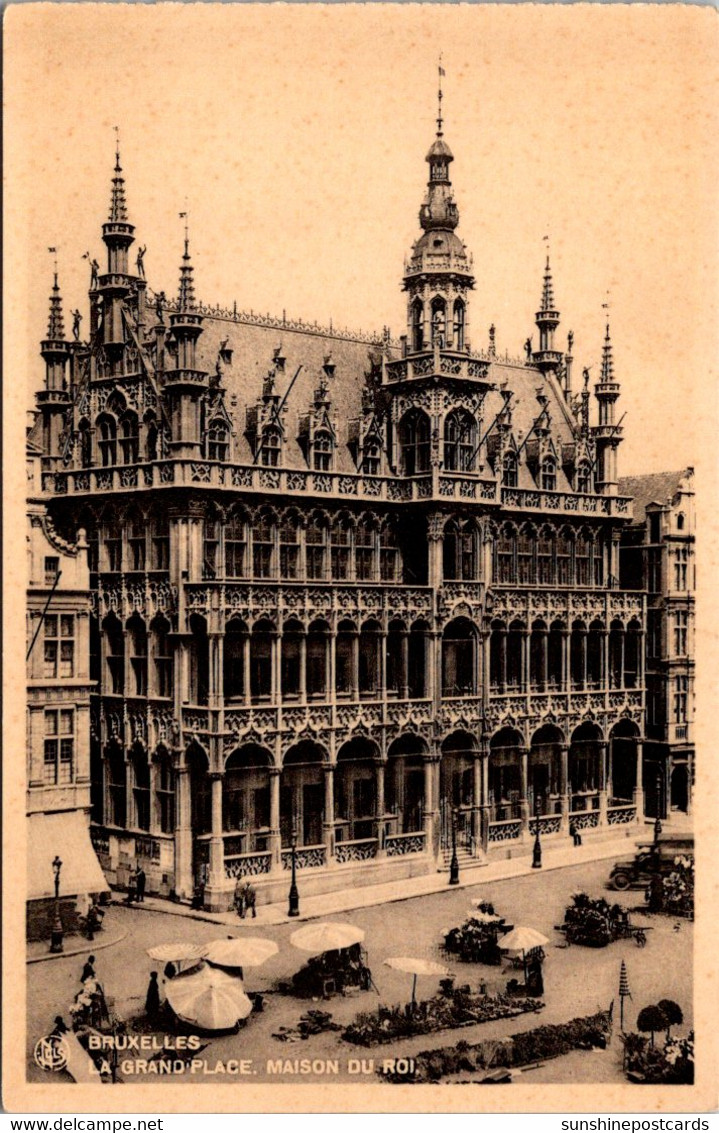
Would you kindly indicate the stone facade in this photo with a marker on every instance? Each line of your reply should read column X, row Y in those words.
column 350, row 593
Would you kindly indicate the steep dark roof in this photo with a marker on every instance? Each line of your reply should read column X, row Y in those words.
column 654, row 488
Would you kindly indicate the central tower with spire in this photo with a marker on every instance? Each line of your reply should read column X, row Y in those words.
column 438, row 274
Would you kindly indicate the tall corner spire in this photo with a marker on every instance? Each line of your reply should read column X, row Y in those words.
column 607, row 358
column 56, row 325
column 548, row 288
column 118, row 203
column 440, row 76
column 186, row 296
column 547, row 321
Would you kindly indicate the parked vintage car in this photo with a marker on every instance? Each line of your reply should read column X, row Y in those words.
column 652, row 858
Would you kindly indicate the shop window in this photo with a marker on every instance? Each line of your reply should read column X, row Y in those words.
column 59, row 748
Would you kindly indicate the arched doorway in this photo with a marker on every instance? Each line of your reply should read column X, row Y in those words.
column 545, row 762
column 623, row 762
column 505, row 776
column 680, row 788
column 302, row 794
column 246, row 800
column 200, row 809
column 356, row 790
column 584, row 768
column 456, row 789
column 404, row 785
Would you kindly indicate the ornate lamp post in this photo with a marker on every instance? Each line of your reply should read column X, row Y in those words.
column 454, row 863
column 537, row 848
column 294, row 896
column 657, row 820
column 56, row 944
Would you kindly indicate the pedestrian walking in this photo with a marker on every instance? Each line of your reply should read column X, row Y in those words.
column 574, row 833
column 88, row 972
column 198, row 895
column 250, row 899
column 132, row 887
column 152, row 999
column 239, row 898
column 140, row 882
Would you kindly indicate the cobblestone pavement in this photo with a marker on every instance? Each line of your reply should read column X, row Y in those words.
column 578, row 981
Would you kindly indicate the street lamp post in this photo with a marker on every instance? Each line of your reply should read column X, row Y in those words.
column 537, row 848
column 56, row 944
column 454, row 863
column 294, row 896
column 657, row 820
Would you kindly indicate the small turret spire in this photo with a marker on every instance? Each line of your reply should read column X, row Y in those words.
column 548, row 288
column 118, row 203
column 186, row 298
column 55, row 326
column 607, row 355
column 440, row 76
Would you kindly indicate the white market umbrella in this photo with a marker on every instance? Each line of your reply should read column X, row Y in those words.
column 328, row 936
column 211, row 1000
column 522, row 939
column 484, row 918
column 416, row 967
column 183, row 950
column 240, row 952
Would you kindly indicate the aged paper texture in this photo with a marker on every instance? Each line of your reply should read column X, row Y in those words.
column 383, row 639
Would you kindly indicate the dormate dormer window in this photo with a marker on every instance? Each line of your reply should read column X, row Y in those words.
column 459, row 441
column 271, row 445
column 414, row 442
column 509, row 470
column 322, row 451
column 371, row 457
column 217, row 440
column 129, row 438
column 584, row 478
column 107, row 443
column 549, row 474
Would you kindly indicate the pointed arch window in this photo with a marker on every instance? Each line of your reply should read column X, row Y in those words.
column 271, row 447
column 137, row 634
column 151, row 437
column 371, row 456
column 290, row 547
column 136, row 541
column 388, row 552
column 459, row 441
column 417, row 325
column 165, row 790
column 85, row 440
column 129, row 438
column 322, row 451
column 217, row 440
column 459, row 321
column 162, row 657
column 161, row 543
column 545, row 557
column 439, row 321
column 414, row 442
column 506, row 549
column 317, row 547
column 366, row 550
column 525, row 556
column 210, row 548
column 582, row 559
column 549, row 474
column 509, row 469
column 340, row 547
column 584, row 478
column 263, row 546
column 236, row 546
column 107, row 443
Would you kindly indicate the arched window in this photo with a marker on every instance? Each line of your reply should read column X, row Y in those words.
column 459, row 320
column 346, row 666
column 141, row 786
column 439, row 321
column 317, row 666
column 217, row 440
column 261, row 683
column 136, row 541
column 584, row 477
column 396, row 667
column 151, row 435
column 417, row 325
column 161, row 542
column 340, row 547
column 291, row 659
column 366, row 550
column 211, row 542
column 107, row 442
column 233, row 675
column 509, row 469
column 290, row 547
column 85, row 440
column 138, row 655
column 459, row 441
column 117, row 779
column 582, row 552
column 414, row 434
column 460, row 551
column 545, row 556
column 680, row 521
column 271, row 446
column 165, row 789
column 316, row 546
column 369, row 660
column 263, row 546
column 199, row 661
column 450, row 550
column 236, row 545
column 114, row 654
column 549, row 474
column 161, row 657
column 506, row 548
column 388, row 552
column 564, row 558
column 371, row 456
column 459, row 652
column 525, row 556
column 129, row 438
column 417, row 660
column 322, row 451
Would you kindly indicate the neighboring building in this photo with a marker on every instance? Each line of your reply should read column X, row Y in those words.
column 657, row 555
column 355, row 589
column 58, row 724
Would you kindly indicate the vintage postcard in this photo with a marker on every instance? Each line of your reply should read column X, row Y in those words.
column 360, row 487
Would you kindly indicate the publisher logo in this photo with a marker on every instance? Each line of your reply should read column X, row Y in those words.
column 51, row 1053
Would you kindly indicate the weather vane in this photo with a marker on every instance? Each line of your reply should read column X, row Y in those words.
column 441, row 75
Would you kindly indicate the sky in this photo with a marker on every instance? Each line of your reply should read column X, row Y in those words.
column 295, row 138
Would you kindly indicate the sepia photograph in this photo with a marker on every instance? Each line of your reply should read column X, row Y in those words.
column 360, row 396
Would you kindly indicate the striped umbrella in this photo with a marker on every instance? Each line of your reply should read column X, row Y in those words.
column 624, row 991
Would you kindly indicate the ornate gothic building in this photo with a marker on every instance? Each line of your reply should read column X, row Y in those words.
column 346, row 590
